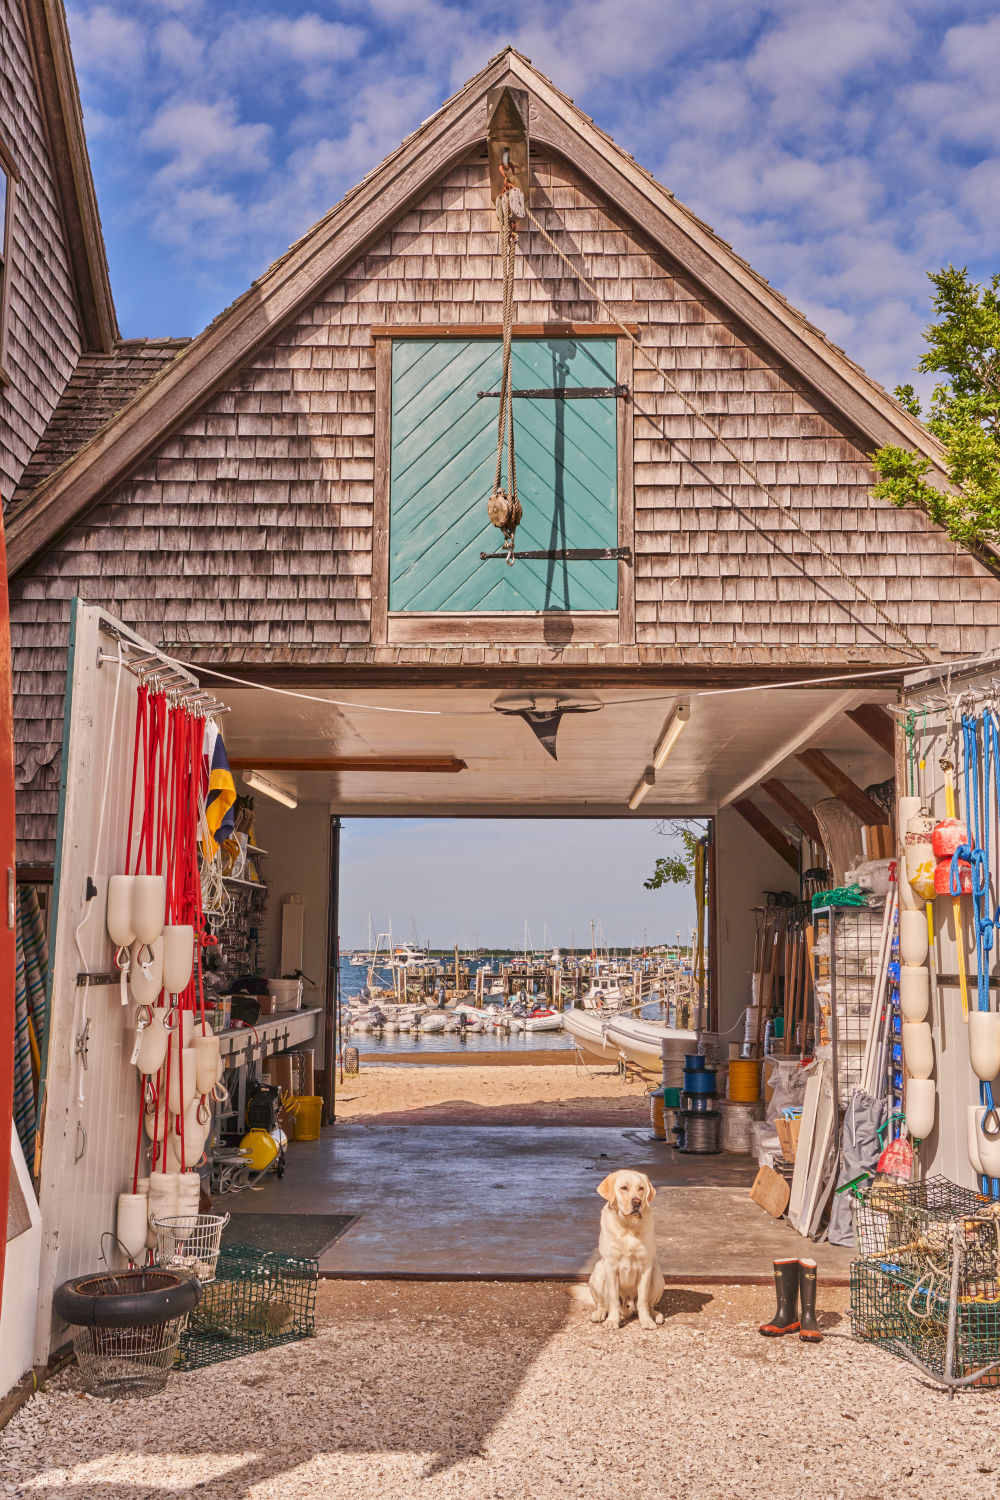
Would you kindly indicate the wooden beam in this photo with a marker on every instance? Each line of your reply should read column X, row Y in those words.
column 841, row 785
column 768, row 831
column 877, row 725
column 448, row 764
column 800, row 815
column 495, row 330
column 507, row 140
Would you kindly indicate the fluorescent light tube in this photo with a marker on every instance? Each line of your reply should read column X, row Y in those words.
column 642, row 788
column 671, row 734
column 270, row 788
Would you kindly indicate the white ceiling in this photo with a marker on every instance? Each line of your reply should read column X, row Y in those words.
column 730, row 744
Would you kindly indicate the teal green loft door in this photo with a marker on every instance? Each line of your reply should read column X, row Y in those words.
column 444, row 443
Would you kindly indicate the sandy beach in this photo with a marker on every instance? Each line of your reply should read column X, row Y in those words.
column 491, row 1093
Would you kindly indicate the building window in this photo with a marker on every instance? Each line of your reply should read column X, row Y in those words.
column 443, row 447
column 9, row 177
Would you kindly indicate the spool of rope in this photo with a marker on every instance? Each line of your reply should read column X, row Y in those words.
column 737, row 1120
column 744, row 1080
column 701, row 1134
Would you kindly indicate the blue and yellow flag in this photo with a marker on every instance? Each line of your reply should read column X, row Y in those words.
column 220, row 796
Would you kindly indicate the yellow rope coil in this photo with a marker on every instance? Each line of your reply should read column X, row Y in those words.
column 744, row 1081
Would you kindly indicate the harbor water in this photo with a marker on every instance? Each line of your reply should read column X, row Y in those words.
column 401, row 1045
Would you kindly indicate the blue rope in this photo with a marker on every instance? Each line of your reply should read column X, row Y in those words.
column 991, row 762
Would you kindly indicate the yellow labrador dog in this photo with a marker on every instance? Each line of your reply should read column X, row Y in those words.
column 626, row 1278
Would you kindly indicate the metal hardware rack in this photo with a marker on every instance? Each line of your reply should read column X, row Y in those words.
column 845, row 957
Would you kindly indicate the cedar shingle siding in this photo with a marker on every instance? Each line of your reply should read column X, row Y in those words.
column 43, row 342
column 251, row 526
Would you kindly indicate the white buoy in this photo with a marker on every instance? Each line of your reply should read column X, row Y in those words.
column 154, row 1122
column 989, row 1150
column 132, row 1223
column 153, row 1046
column 973, row 1117
column 906, row 808
column 206, row 1054
column 149, row 906
column 912, row 937
column 920, row 1100
column 918, row 1049
column 914, row 989
column 178, row 958
column 187, row 1027
column 984, row 1044
column 146, row 973
column 178, row 1099
column 120, row 929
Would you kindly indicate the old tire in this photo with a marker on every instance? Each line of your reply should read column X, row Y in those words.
column 145, row 1297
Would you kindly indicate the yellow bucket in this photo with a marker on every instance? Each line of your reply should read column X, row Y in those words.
column 308, row 1110
column 657, row 1123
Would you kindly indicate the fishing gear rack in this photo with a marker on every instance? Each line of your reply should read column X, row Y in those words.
column 927, row 1283
column 846, row 949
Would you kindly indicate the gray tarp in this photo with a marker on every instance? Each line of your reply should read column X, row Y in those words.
column 860, row 1152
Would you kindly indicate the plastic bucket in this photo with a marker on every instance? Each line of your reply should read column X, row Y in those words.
column 657, row 1122
column 308, row 1113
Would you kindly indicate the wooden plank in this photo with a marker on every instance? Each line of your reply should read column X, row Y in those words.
column 771, row 1191
column 810, row 1105
column 380, row 498
column 403, row 764
column 8, row 957
column 626, row 499
column 877, row 724
column 495, row 330
column 558, row 628
column 800, row 815
column 771, row 834
column 840, row 784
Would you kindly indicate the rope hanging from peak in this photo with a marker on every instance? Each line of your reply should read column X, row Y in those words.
column 745, row 468
column 504, row 508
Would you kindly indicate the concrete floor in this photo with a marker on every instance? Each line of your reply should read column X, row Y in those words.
column 522, row 1202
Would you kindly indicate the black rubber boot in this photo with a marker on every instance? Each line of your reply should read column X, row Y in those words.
column 809, row 1329
column 786, row 1286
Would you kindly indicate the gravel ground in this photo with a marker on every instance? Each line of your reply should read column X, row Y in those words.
column 481, row 1094
column 504, row 1392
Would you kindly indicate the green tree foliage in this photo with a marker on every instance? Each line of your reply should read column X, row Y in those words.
column 963, row 346
column 674, row 870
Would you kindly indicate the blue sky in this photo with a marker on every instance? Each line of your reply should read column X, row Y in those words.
column 475, row 881
column 843, row 149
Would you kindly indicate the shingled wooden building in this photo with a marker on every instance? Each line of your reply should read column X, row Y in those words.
column 297, row 498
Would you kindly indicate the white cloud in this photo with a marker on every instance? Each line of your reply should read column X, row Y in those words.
column 107, row 39
column 197, row 136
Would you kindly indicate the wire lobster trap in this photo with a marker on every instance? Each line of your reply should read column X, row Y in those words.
column 928, row 1283
column 258, row 1300
column 190, row 1242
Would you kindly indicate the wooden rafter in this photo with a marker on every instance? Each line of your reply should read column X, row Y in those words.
column 769, row 832
column 446, row 764
column 840, row 784
column 877, row 725
column 791, row 806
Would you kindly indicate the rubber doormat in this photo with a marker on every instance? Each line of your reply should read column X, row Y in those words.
column 303, row 1235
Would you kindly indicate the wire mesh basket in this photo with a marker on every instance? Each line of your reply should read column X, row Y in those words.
column 352, row 1062
column 899, row 1311
column 909, row 1228
column 259, row 1299
column 190, row 1242
column 134, row 1360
